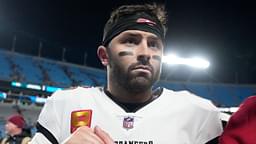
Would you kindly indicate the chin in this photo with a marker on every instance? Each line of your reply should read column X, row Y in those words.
column 140, row 85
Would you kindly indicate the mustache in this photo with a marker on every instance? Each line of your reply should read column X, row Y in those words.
column 141, row 64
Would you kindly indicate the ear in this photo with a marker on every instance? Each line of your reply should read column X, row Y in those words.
column 102, row 54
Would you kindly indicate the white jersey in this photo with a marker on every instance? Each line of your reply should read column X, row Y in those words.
column 174, row 117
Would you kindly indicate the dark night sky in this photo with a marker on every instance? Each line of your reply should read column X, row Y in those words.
column 221, row 30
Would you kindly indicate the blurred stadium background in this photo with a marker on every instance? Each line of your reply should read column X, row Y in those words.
column 26, row 81
column 32, row 67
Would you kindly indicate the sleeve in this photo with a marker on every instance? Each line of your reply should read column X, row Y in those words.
column 211, row 127
column 49, row 121
column 242, row 124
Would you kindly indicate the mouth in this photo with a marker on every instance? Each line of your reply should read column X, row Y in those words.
column 143, row 68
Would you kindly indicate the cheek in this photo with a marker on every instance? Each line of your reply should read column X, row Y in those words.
column 128, row 60
column 125, row 60
column 156, row 63
column 122, row 62
column 7, row 127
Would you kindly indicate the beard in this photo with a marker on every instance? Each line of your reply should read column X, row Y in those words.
column 131, row 81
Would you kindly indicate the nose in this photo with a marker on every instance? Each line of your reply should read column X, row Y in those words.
column 144, row 59
column 143, row 53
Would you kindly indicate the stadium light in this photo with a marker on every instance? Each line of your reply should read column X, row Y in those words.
column 33, row 86
column 195, row 62
column 3, row 95
column 52, row 89
column 46, row 88
column 16, row 84
column 36, row 99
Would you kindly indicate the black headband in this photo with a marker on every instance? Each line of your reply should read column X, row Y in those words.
column 140, row 21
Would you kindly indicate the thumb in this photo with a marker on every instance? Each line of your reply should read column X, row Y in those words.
column 103, row 135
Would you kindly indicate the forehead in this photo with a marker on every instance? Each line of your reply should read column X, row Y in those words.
column 10, row 123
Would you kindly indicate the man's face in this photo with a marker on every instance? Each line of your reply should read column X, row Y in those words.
column 135, row 59
column 10, row 127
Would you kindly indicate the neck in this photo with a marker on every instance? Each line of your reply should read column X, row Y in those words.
column 125, row 95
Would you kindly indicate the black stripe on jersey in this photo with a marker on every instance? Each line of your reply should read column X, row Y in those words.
column 213, row 141
column 46, row 133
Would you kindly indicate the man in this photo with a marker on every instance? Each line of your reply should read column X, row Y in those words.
column 14, row 130
column 241, row 127
column 127, row 110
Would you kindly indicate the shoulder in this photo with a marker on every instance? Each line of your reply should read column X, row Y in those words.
column 242, row 123
column 25, row 140
column 200, row 112
column 247, row 110
column 75, row 92
column 71, row 97
column 4, row 140
column 63, row 100
column 190, row 99
column 249, row 103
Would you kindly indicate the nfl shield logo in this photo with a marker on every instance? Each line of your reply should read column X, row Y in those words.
column 128, row 122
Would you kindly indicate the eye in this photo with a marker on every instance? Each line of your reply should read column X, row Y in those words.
column 131, row 41
column 154, row 45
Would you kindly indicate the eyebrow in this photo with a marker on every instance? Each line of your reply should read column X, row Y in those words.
column 154, row 38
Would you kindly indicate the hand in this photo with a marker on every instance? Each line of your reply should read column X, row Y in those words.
column 84, row 135
column 103, row 135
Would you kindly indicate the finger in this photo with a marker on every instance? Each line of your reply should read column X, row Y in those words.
column 103, row 135
column 95, row 137
column 87, row 135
